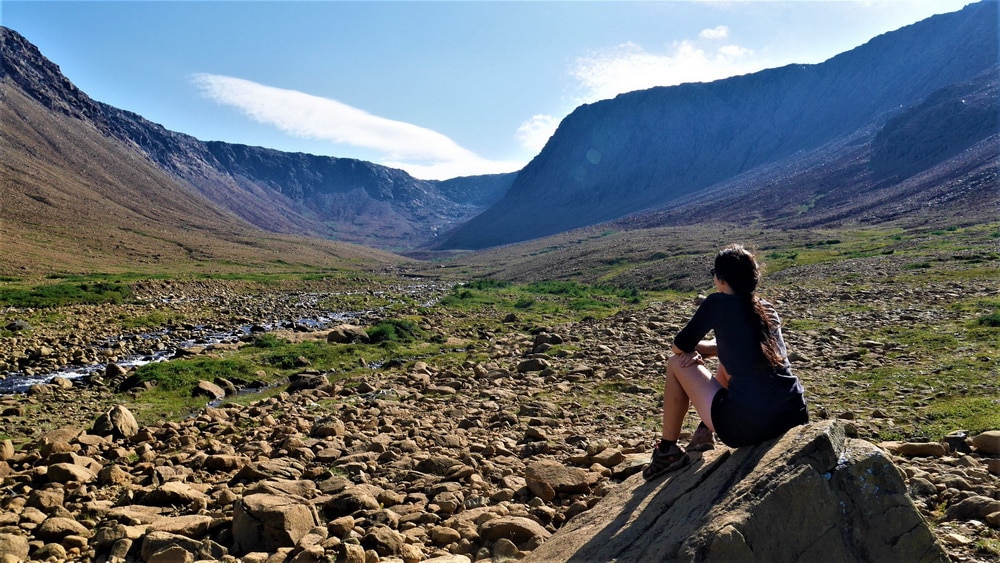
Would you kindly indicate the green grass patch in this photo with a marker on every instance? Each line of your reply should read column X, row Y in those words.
column 566, row 300
column 975, row 414
column 61, row 294
column 181, row 376
column 154, row 319
column 268, row 340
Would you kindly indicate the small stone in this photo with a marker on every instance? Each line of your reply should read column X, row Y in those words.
column 956, row 539
column 922, row 449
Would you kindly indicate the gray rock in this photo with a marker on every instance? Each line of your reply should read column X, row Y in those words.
column 348, row 502
column 383, row 541
column 279, row 468
column 6, row 449
column 301, row 382
column 69, row 472
column 190, row 525
column 533, row 364
column 162, row 544
column 922, row 449
column 347, row 334
column 973, row 508
column 846, row 499
column 171, row 554
column 174, row 493
column 18, row 325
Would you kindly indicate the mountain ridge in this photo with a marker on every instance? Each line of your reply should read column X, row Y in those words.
column 873, row 134
column 643, row 149
column 274, row 190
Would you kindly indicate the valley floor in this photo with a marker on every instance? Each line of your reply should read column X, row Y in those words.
column 898, row 355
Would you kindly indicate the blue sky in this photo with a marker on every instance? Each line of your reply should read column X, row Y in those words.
column 439, row 89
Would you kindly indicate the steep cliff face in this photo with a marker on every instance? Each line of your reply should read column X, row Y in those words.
column 651, row 147
column 336, row 198
column 945, row 124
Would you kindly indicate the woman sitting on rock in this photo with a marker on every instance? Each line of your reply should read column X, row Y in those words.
column 753, row 397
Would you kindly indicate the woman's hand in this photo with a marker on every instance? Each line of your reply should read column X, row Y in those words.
column 690, row 359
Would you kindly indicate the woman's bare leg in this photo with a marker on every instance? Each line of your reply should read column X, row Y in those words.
column 683, row 387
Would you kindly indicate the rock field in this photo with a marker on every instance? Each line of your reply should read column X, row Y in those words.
column 479, row 461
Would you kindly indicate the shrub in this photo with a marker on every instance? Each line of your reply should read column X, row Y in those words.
column 394, row 330
column 183, row 375
column 268, row 340
column 990, row 320
column 59, row 294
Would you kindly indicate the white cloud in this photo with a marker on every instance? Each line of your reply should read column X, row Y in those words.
column 627, row 67
column 422, row 152
column 717, row 32
column 605, row 73
column 535, row 132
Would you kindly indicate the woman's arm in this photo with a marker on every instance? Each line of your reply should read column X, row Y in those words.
column 702, row 350
column 707, row 348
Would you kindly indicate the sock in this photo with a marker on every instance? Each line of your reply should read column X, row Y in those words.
column 700, row 426
column 665, row 444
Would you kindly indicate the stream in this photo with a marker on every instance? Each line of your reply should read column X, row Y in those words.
column 163, row 345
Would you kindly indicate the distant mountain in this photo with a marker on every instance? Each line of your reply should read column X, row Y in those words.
column 882, row 125
column 904, row 127
column 335, row 198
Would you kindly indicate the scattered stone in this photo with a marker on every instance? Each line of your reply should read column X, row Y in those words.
column 455, row 461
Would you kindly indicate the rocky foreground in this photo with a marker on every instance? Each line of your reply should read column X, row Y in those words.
column 482, row 460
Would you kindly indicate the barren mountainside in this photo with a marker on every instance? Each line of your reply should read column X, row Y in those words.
column 335, row 198
column 906, row 102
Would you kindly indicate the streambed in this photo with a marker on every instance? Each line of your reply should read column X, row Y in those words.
column 259, row 314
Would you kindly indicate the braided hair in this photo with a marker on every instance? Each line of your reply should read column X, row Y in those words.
column 736, row 266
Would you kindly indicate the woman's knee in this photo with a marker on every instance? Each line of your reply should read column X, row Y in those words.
column 674, row 363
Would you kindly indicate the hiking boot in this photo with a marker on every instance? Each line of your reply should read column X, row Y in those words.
column 702, row 440
column 665, row 461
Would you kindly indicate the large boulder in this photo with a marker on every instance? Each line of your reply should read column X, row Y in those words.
column 265, row 522
column 347, row 334
column 119, row 422
column 811, row 495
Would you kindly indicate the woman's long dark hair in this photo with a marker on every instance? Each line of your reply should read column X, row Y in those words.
column 736, row 266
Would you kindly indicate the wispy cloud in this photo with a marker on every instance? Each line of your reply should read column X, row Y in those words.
column 535, row 132
column 628, row 67
column 605, row 73
column 717, row 32
column 422, row 152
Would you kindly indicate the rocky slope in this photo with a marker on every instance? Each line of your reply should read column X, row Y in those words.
column 434, row 458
